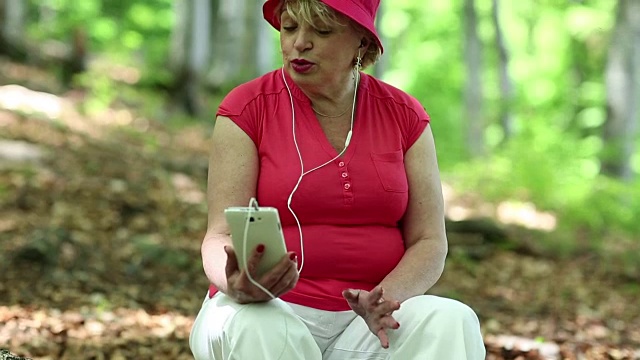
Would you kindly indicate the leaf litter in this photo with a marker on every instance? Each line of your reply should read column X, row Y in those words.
column 99, row 257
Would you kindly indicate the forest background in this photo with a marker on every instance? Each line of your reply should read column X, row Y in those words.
column 106, row 107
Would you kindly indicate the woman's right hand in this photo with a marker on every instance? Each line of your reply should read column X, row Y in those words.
column 279, row 280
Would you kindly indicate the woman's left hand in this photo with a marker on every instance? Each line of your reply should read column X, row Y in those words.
column 375, row 310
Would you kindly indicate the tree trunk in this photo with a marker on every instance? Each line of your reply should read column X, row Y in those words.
column 229, row 44
column 506, row 83
column 12, row 16
column 190, row 52
column 179, row 36
column 258, row 45
column 199, row 51
column 14, row 12
column 623, row 92
column 473, row 89
column 76, row 60
column 70, row 58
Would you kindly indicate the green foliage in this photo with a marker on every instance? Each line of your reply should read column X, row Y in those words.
column 135, row 32
column 557, row 53
column 544, row 165
column 427, row 64
column 608, row 207
column 558, row 172
column 102, row 90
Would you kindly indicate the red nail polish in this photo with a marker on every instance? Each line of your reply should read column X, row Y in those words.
column 293, row 256
column 260, row 248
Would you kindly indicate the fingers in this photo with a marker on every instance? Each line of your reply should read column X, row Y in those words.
column 387, row 306
column 382, row 324
column 375, row 296
column 351, row 295
column 379, row 304
column 254, row 259
column 238, row 284
column 384, row 339
column 279, row 280
column 281, row 272
column 388, row 322
column 232, row 261
column 375, row 310
column 287, row 281
column 383, row 310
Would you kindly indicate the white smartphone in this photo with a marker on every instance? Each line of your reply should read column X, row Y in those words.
column 262, row 225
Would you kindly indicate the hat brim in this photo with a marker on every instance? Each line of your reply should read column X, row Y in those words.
column 345, row 7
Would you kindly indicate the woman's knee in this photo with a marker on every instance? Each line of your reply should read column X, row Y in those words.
column 436, row 309
column 223, row 324
column 253, row 318
column 441, row 328
column 220, row 314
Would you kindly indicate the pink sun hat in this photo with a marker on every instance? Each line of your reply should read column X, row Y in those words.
column 362, row 12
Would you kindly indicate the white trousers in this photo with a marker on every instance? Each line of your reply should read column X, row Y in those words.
column 431, row 328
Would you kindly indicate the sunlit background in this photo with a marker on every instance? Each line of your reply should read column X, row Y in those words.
column 105, row 111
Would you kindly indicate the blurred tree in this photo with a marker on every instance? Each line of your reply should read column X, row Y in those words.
column 266, row 37
column 506, row 83
column 67, row 57
column 75, row 62
column 189, row 53
column 474, row 96
column 242, row 48
column 216, row 44
column 623, row 92
column 12, row 18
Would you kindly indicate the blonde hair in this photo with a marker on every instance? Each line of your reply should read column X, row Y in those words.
column 312, row 11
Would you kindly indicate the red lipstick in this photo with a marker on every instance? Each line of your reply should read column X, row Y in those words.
column 301, row 65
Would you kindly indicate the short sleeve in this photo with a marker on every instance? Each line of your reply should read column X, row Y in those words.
column 242, row 107
column 417, row 120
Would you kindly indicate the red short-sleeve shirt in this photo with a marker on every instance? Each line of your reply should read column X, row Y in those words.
column 349, row 209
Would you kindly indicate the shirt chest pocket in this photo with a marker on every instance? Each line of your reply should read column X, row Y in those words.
column 391, row 172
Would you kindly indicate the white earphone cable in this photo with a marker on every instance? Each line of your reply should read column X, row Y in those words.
column 295, row 141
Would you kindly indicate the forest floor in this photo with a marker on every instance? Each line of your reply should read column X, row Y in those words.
column 101, row 219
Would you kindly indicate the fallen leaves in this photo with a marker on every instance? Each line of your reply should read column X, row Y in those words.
column 99, row 259
column 43, row 332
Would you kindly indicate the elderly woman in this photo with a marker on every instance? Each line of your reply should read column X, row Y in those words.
column 350, row 164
